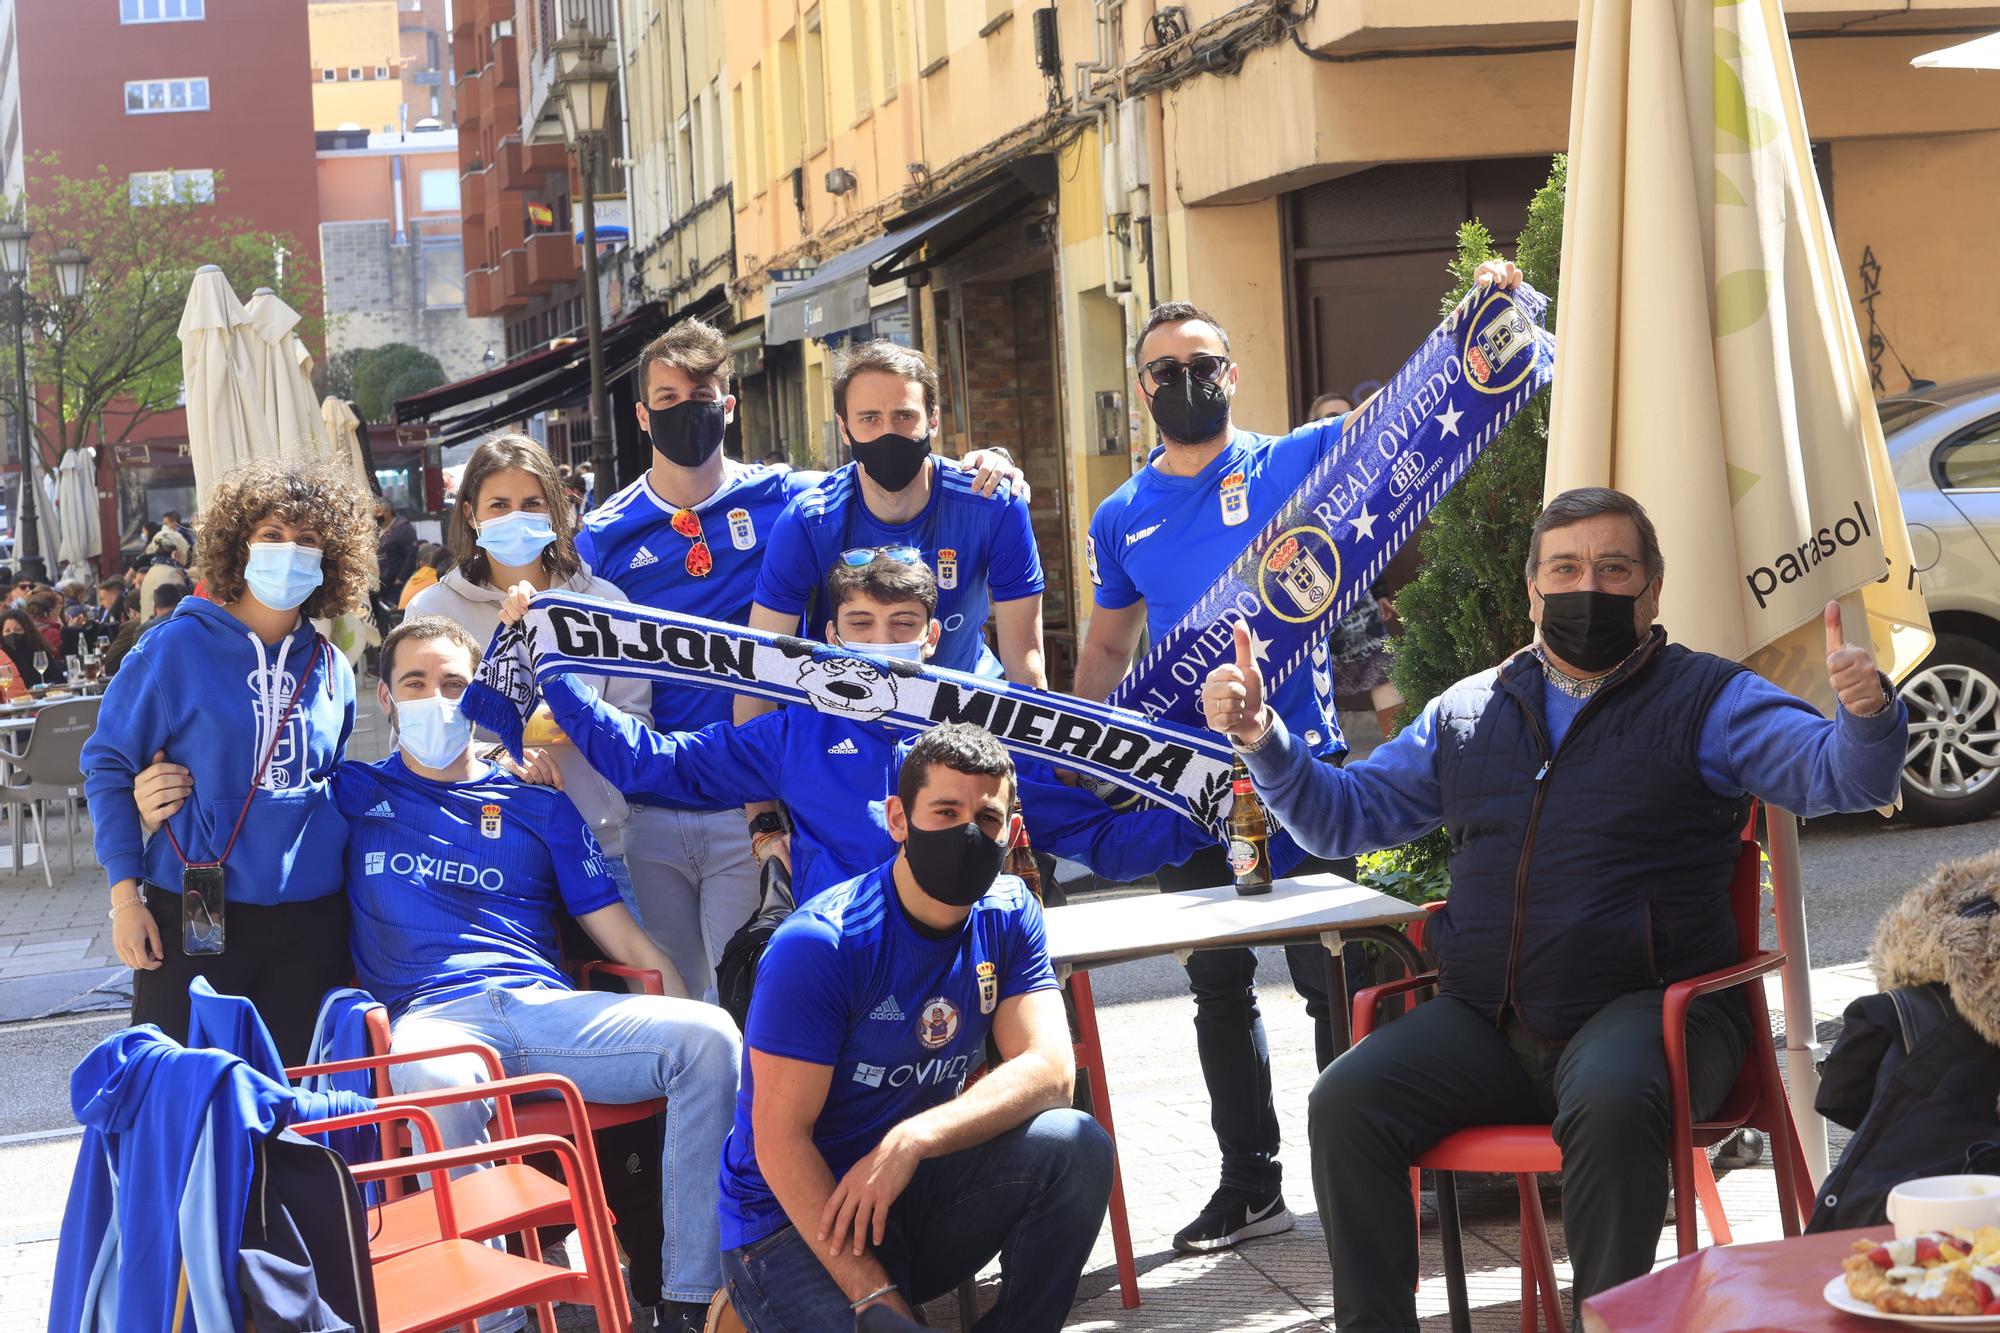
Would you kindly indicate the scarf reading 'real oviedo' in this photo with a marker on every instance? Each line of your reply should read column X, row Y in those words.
column 1305, row 569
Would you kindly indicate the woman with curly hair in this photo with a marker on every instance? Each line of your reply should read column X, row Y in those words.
column 251, row 710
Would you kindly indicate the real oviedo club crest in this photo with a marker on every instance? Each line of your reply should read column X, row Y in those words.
column 947, row 569
column 1235, row 500
column 742, row 532
column 989, row 987
column 489, row 821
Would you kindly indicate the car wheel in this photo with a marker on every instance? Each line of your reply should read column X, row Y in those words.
column 1951, row 772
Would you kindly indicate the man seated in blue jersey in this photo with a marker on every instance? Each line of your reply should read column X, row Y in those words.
column 861, row 1170
column 835, row 773
column 456, row 872
column 895, row 497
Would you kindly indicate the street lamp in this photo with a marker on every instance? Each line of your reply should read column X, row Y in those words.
column 583, row 94
column 71, row 266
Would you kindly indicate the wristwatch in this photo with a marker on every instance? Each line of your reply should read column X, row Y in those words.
column 768, row 822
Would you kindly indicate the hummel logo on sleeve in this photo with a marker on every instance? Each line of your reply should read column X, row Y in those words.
column 382, row 810
column 888, row 1011
column 845, row 746
column 1141, row 534
column 643, row 558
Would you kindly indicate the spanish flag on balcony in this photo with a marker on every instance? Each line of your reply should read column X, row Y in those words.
column 541, row 216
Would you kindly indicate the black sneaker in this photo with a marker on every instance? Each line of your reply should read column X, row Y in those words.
column 1233, row 1216
column 678, row 1317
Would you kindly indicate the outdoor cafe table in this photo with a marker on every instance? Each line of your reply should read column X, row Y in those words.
column 1770, row 1288
column 1147, row 925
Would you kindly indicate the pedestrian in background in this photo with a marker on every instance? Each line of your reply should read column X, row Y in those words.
column 243, row 693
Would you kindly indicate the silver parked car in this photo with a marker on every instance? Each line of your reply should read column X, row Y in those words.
column 1944, row 447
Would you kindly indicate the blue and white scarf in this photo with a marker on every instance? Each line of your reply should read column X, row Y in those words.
column 1185, row 768
column 1314, row 561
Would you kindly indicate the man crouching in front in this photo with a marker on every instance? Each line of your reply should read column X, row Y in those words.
column 861, row 1171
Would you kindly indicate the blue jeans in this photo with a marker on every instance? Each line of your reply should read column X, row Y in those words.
column 696, row 884
column 615, row 1048
column 1035, row 1196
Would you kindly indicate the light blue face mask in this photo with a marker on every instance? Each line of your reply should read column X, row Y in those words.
column 432, row 731
column 895, row 652
column 282, row 575
column 517, row 539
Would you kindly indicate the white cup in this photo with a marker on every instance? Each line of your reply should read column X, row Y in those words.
column 1959, row 1204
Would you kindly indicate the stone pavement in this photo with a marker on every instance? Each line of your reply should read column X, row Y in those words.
column 55, row 960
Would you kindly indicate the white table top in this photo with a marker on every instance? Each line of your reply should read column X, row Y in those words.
column 1147, row 925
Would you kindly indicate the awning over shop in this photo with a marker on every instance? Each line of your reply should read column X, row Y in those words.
column 836, row 297
column 521, row 388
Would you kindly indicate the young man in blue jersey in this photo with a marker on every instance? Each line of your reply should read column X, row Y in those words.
column 455, row 874
column 861, row 1170
column 895, row 496
column 1155, row 546
column 834, row 773
column 690, row 536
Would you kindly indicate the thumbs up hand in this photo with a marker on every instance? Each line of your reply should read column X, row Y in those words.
column 1233, row 697
column 1852, row 671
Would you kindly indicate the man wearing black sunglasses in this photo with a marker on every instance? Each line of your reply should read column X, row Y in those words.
column 1155, row 546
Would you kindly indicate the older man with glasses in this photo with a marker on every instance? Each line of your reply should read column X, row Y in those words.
column 1595, row 785
column 1155, row 546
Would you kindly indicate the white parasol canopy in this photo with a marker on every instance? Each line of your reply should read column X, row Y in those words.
column 343, row 436
column 79, row 525
column 283, row 376
column 1979, row 53
column 1710, row 367
column 219, row 382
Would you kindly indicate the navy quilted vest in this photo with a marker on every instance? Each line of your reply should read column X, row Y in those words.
column 1598, row 870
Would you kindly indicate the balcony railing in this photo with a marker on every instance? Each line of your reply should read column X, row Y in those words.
column 552, row 260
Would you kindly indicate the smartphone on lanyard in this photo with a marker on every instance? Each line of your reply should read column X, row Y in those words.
column 203, row 908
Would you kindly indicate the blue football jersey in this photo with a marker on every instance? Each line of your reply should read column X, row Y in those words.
column 633, row 541
column 454, row 886
column 1165, row 540
column 849, row 982
column 980, row 547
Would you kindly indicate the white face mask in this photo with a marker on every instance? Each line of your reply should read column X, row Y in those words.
column 432, row 731
column 895, row 652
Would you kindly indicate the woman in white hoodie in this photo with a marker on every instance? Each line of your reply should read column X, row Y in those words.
column 513, row 523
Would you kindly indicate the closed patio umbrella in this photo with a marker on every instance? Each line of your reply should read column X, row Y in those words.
column 1979, row 53
column 48, row 531
column 79, row 526
column 284, row 377
column 343, row 436
column 1711, row 367
column 219, row 383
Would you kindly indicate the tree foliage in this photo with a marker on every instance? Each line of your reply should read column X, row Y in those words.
column 1467, row 610
column 383, row 374
column 114, row 354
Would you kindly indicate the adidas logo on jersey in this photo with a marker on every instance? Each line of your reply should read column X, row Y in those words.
column 888, row 1011
column 845, row 746
column 382, row 810
column 644, row 558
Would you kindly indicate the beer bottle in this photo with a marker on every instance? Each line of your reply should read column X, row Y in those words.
column 1249, row 834
column 1021, row 858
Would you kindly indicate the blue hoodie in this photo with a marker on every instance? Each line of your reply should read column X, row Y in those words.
column 206, row 690
column 162, row 1179
column 834, row 775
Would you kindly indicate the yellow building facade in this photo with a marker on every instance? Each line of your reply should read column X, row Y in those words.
column 357, row 64
column 1012, row 186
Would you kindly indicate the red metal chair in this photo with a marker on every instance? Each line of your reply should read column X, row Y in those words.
column 1526, row 1151
column 544, row 1117
column 454, row 1278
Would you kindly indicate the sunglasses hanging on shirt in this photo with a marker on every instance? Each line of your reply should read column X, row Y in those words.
column 700, row 560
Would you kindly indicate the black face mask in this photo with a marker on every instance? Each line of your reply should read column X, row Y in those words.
column 891, row 461
column 1191, row 412
column 1590, row 629
column 688, row 433
column 954, row 865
